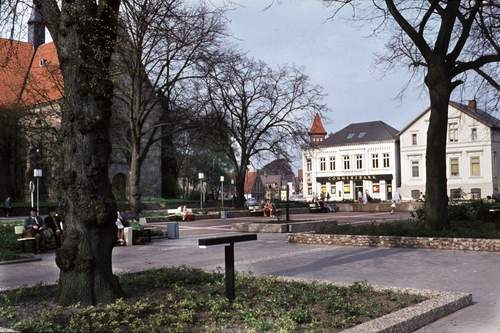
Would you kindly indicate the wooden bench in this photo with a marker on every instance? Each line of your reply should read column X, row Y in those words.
column 315, row 209
column 256, row 210
column 25, row 240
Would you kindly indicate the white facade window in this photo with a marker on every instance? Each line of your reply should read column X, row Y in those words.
column 473, row 134
column 414, row 139
column 359, row 161
column 454, row 167
column 332, row 163
column 309, row 189
column 322, row 164
column 453, row 132
column 385, row 158
column 347, row 162
column 415, row 169
column 308, row 165
column 475, row 166
column 375, row 161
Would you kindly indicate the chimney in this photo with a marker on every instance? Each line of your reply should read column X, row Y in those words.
column 36, row 28
column 472, row 105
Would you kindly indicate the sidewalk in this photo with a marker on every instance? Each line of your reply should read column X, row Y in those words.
column 474, row 272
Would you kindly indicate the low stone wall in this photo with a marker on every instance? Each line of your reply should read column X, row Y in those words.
column 378, row 206
column 305, row 226
column 469, row 244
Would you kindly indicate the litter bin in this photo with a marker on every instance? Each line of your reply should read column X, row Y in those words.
column 173, row 230
column 127, row 234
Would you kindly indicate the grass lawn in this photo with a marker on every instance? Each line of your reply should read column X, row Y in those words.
column 188, row 300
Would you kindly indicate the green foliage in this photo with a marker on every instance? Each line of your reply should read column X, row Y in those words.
column 189, row 300
column 476, row 210
column 467, row 220
column 9, row 247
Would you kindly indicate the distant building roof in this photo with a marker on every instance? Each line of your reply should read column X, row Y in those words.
column 29, row 77
column 478, row 114
column 270, row 179
column 300, row 174
column 279, row 167
column 317, row 127
column 360, row 133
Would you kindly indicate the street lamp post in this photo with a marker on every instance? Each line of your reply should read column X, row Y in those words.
column 38, row 174
column 222, row 193
column 200, row 177
column 232, row 188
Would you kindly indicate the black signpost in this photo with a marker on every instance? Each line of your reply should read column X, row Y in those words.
column 229, row 256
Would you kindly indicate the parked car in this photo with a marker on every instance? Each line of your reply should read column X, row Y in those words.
column 251, row 202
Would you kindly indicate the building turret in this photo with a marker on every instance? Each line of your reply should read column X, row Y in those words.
column 36, row 28
column 317, row 132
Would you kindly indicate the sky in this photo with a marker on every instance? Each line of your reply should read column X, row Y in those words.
column 337, row 54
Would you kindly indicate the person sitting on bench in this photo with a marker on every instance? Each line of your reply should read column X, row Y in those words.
column 35, row 227
column 268, row 208
column 53, row 222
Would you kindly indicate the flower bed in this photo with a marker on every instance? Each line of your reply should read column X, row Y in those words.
column 187, row 300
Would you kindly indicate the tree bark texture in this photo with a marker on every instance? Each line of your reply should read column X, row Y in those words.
column 240, row 188
column 84, row 46
column 436, row 198
column 135, row 178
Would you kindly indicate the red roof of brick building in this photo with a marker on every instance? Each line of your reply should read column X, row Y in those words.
column 27, row 77
column 317, row 127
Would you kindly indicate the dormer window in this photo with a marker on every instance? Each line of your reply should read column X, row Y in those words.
column 473, row 134
column 43, row 62
column 350, row 135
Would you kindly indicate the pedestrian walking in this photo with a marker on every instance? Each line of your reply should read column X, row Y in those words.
column 7, row 206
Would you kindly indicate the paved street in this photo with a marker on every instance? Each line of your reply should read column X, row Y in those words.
column 474, row 272
column 216, row 226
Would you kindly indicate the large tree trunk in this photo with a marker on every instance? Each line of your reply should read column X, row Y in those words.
column 84, row 259
column 240, row 188
column 135, row 179
column 436, row 202
column 169, row 166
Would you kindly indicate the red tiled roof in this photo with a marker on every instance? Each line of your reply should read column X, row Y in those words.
column 23, row 72
column 15, row 58
column 250, row 178
column 317, row 126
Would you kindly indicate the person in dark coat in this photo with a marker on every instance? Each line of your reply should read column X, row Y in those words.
column 53, row 221
column 7, row 206
column 35, row 227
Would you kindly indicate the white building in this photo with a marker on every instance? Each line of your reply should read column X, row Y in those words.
column 360, row 157
column 472, row 148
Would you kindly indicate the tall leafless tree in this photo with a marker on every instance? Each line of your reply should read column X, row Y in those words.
column 162, row 49
column 455, row 43
column 259, row 110
column 84, row 33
